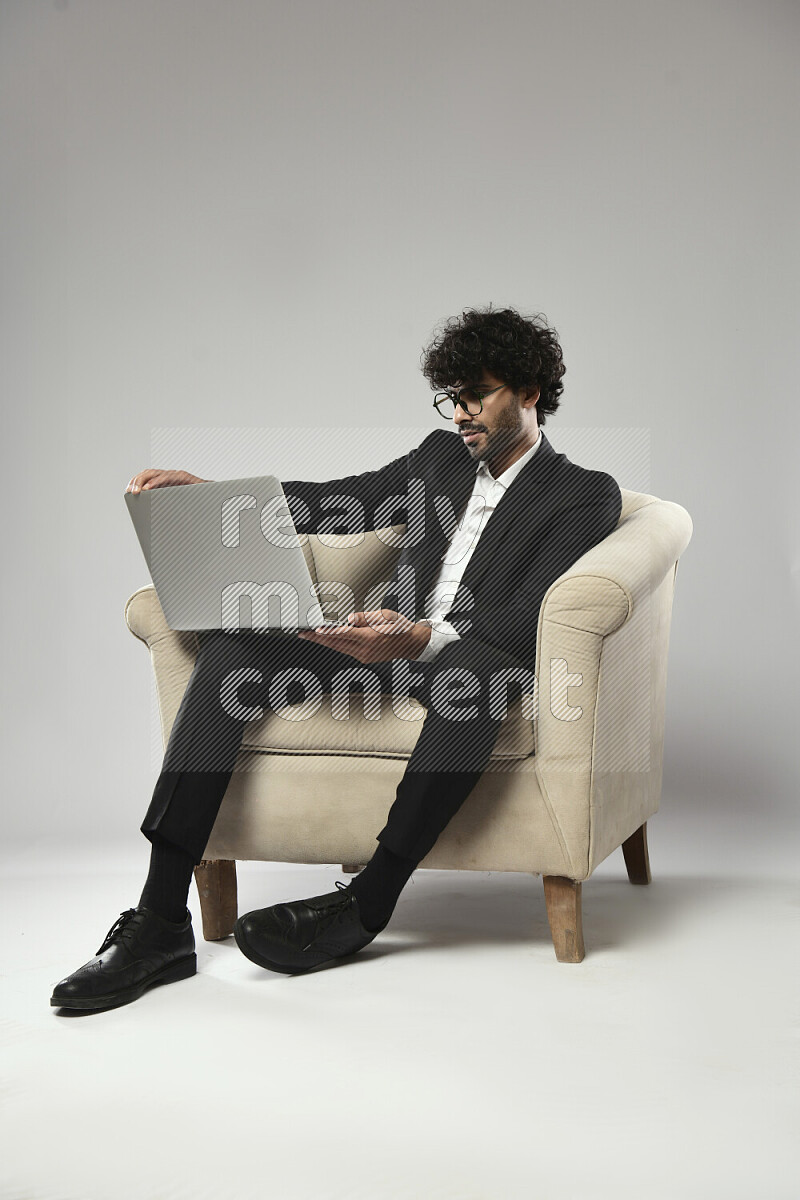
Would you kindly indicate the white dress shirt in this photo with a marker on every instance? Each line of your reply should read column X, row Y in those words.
column 485, row 497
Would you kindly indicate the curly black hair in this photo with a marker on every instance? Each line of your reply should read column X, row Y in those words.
column 522, row 351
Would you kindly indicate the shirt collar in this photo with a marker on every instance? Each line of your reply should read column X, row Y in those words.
column 507, row 477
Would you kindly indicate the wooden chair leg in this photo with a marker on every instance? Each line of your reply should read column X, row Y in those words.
column 352, row 868
column 563, row 900
column 637, row 859
column 216, row 885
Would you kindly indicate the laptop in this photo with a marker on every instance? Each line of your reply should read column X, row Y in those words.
column 226, row 555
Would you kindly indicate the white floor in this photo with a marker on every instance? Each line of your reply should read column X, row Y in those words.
column 452, row 1058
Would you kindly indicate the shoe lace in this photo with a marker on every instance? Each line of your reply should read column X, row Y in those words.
column 332, row 909
column 117, row 932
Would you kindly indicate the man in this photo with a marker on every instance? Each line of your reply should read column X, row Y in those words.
column 497, row 516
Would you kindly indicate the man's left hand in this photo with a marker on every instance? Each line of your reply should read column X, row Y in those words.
column 378, row 635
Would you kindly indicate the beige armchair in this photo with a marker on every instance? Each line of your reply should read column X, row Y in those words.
column 575, row 773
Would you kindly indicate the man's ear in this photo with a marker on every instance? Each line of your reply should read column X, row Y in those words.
column 535, row 393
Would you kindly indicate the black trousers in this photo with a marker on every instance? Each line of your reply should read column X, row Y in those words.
column 238, row 676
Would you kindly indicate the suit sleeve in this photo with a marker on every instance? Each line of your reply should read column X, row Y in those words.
column 355, row 503
column 511, row 626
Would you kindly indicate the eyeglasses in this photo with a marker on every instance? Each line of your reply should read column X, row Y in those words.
column 469, row 397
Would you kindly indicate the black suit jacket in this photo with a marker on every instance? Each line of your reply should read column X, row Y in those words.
column 553, row 512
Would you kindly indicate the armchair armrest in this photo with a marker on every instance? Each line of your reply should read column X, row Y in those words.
column 601, row 664
column 597, row 593
column 172, row 652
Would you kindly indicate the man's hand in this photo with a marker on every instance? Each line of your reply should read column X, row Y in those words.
column 379, row 635
column 154, row 478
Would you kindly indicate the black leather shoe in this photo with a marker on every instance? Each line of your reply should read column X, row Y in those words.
column 140, row 949
column 298, row 936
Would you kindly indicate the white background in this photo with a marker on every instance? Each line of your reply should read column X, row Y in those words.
column 255, row 214
column 252, row 215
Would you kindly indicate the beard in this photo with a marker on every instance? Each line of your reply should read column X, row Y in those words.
column 508, row 430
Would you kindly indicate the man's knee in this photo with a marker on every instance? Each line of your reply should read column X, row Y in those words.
column 476, row 656
column 481, row 677
column 221, row 645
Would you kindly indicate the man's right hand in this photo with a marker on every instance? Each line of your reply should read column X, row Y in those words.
column 154, row 478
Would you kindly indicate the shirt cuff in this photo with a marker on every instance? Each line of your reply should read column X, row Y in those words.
column 442, row 632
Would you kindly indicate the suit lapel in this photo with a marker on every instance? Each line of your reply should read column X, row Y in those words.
column 519, row 503
column 447, row 499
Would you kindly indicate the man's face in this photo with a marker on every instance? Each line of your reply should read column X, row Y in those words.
column 503, row 424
